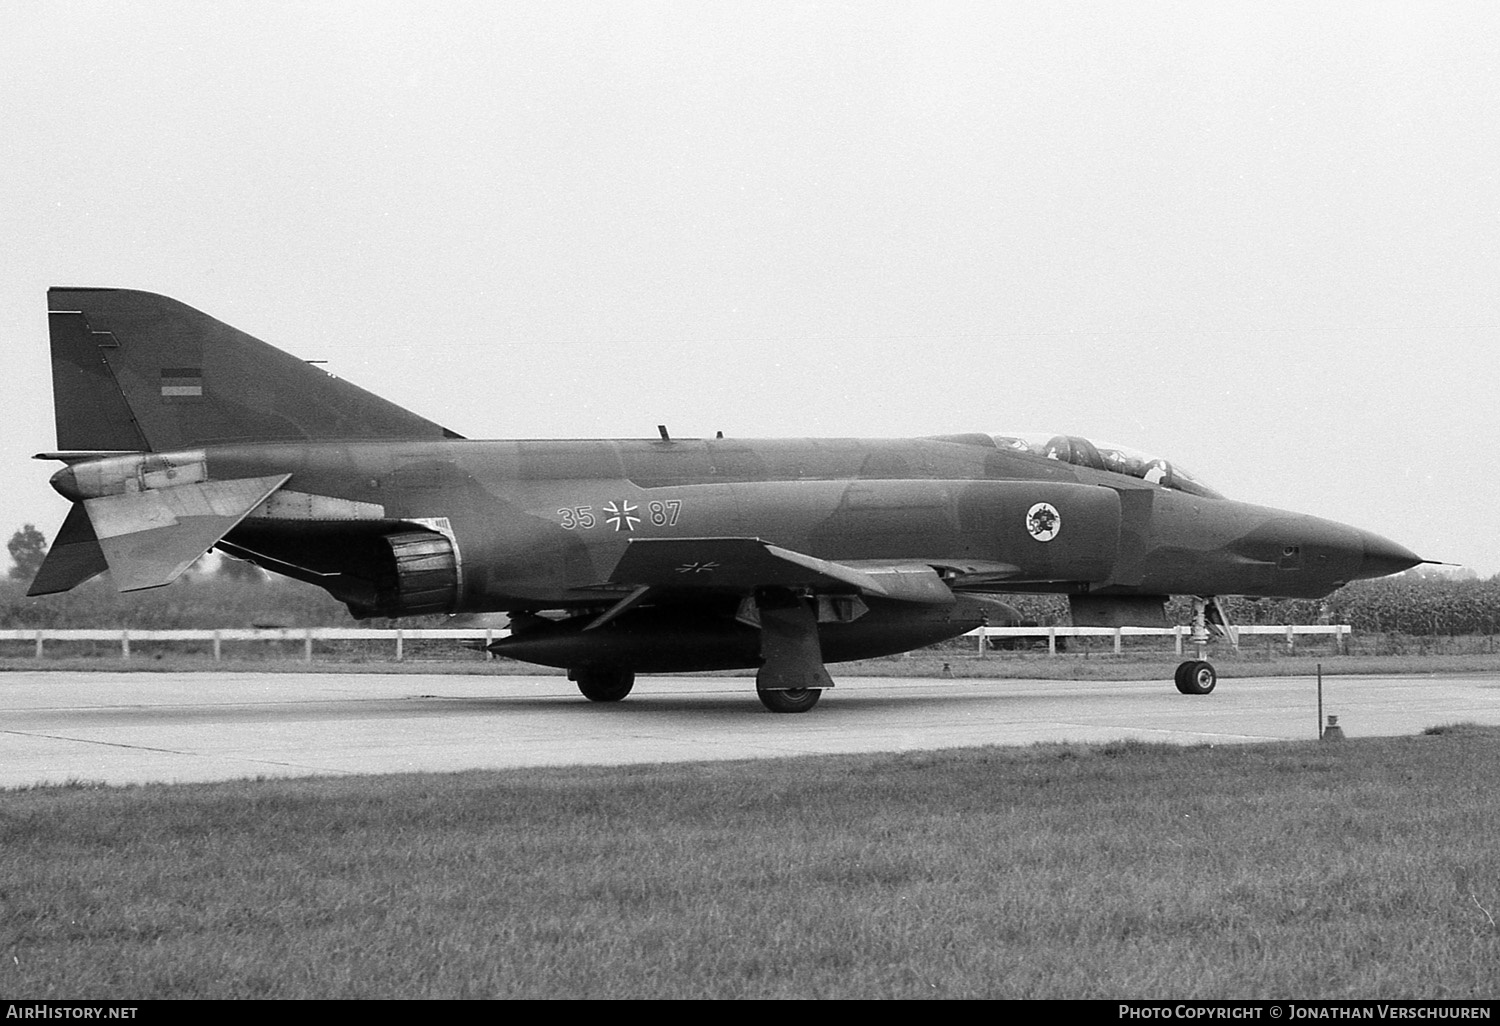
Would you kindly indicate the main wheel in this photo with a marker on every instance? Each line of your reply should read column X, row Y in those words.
column 1196, row 677
column 792, row 700
column 603, row 685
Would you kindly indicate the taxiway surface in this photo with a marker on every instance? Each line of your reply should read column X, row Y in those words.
column 139, row 727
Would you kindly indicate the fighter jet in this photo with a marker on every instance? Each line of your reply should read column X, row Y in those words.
column 614, row 558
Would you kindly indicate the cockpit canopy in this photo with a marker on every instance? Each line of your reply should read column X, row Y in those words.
column 1115, row 459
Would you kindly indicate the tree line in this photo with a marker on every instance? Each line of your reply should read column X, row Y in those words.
column 1408, row 603
column 215, row 592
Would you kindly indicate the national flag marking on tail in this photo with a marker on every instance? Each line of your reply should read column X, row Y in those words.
column 182, row 381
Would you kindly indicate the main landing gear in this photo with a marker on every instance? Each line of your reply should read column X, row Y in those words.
column 600, row 685
column 789, row 700
column 791, row 678
column 612, row 685
column 1197, row 676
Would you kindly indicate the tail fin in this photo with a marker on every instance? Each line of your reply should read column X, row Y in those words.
column 136, row 371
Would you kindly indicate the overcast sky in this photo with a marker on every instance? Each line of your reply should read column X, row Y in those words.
column 1260, row 238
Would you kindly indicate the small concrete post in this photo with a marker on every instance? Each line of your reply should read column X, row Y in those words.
column 1333, row 732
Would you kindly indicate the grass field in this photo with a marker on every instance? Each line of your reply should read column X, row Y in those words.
column 1362, row 869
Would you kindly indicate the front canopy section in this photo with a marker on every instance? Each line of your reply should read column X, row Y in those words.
column 1114, row 459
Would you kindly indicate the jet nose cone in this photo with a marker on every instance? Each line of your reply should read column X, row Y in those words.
column 1384, row 557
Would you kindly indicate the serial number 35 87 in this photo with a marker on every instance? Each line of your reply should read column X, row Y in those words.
column 622, row 514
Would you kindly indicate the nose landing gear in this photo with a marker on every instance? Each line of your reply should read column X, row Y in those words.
column 1197, row 676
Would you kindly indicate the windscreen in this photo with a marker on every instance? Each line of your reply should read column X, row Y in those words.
column 1115, row 459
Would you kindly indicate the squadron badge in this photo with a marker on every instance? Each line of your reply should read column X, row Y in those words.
column 1043, row 521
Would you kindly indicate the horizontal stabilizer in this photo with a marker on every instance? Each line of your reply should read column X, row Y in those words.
column 150, row 537
column 74, row 557
column 743, row 564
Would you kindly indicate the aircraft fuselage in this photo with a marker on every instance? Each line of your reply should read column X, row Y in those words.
column 541, row 524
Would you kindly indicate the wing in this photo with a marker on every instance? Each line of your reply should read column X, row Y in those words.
column 743, row 564
column 768, row 587
column 661, row 566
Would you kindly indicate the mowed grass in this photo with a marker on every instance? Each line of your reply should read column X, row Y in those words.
column 1366, row 868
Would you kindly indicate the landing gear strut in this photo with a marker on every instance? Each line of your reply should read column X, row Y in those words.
column 792, row 676
column 600, row 685
column 1197, row 676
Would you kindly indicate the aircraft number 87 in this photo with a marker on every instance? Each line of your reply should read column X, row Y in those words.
column 662, row 514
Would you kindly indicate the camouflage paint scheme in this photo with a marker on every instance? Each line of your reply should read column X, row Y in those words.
column 615, row 557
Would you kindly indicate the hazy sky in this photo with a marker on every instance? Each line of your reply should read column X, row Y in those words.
column 1260, row 238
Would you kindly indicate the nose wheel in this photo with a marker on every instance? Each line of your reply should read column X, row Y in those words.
column 1196, row 677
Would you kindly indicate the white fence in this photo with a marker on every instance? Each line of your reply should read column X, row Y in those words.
column 308, row 635
column 305, row 635
column 1288, row 632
